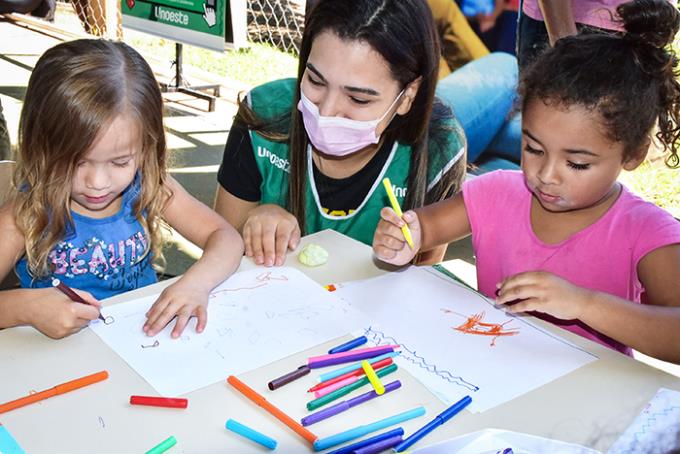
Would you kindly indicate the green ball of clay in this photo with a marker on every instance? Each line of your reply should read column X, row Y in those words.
column 313, row 255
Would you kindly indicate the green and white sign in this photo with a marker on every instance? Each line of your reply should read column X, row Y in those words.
column 196, row 22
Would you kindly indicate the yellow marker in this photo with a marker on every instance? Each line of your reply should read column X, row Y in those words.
column 373, row 378
column 397, row 209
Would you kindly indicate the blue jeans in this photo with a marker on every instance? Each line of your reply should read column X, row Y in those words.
column 482, row 94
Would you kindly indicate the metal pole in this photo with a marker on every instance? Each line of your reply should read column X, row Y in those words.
column 178, row 65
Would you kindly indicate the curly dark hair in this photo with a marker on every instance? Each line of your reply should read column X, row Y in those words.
column 629, row 79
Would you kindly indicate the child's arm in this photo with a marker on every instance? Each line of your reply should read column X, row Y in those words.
column 652, row 328
column 47, row 309
column 559, row 19
column 269, row 231
column 433, row 225
column 222, row 251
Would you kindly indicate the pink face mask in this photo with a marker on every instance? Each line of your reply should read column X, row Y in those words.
column 338, row 136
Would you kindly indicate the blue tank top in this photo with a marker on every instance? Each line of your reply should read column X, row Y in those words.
column 102, row 256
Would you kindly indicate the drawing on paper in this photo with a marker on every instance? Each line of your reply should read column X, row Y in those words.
column 411, row 306
column 379, row 338
column 475, row 325
column 261, row 280
column 109, row 320
column 254, row 318
column 656, row 426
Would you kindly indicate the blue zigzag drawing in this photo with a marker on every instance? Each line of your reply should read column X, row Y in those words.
column 638, row 437
column 379, row 338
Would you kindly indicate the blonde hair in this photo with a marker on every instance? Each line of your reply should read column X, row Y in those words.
column 75, row 91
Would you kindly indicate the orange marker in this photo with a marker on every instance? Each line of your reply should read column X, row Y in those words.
column 278, row 414
column 59, row 389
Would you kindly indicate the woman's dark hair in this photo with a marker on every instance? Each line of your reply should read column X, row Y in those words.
column 404, row 34
column 629, row 79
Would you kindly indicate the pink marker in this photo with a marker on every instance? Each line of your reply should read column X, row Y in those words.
column 350, row 353
column 346, row 357
column 333, row 386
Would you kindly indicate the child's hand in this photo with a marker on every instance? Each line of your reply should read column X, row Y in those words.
column 182, row 300
column 389, row 243
column 543, row 292
column 268, row 233
column 56, row 316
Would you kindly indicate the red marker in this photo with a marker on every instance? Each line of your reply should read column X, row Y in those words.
column 171, row 402
column 354, row 373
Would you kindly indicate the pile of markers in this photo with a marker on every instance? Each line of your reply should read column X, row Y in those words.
column 375, row 363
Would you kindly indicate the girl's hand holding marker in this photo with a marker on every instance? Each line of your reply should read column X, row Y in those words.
column 397, row 238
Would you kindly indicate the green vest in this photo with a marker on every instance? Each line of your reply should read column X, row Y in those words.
column 274, row 99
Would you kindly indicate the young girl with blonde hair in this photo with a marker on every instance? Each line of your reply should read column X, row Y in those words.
column 93, row 194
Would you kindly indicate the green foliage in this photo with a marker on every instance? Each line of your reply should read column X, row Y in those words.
column 655, row 182
column 253, row 66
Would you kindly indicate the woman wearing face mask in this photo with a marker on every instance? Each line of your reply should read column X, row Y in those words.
column 310, row 154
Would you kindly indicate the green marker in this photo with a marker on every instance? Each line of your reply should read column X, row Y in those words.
column 338, row 393
column 163, row 446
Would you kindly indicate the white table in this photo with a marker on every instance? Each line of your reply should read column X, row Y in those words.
column 591, row 406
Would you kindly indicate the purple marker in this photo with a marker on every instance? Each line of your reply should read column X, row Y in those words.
column 379, row 446
column 346, row 405
column 331, row 361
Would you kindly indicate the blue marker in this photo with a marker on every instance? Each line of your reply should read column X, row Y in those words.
column 251, row 434
column 8, row 445
column 354, row 343
column 351, row 434
column 343, row 370
column 369, row 441
column 444, row 416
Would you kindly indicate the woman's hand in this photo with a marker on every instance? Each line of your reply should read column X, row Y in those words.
column 543, row 292
column 389, row 243
column 183, row 300
column 268, row 233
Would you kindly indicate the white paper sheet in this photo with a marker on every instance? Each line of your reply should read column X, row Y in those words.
column 656, row 429
column 435, row 318
column 254, row 318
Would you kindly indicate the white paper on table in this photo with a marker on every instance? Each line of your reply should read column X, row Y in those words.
column 495, row 441
column 424, row 311
column 656, row 429
column 254, row 318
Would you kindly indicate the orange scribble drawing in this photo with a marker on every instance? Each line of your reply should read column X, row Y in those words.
column 475, row 325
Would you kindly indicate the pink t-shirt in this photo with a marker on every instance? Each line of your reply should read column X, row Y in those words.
column 597, row 13
column 602, row 257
